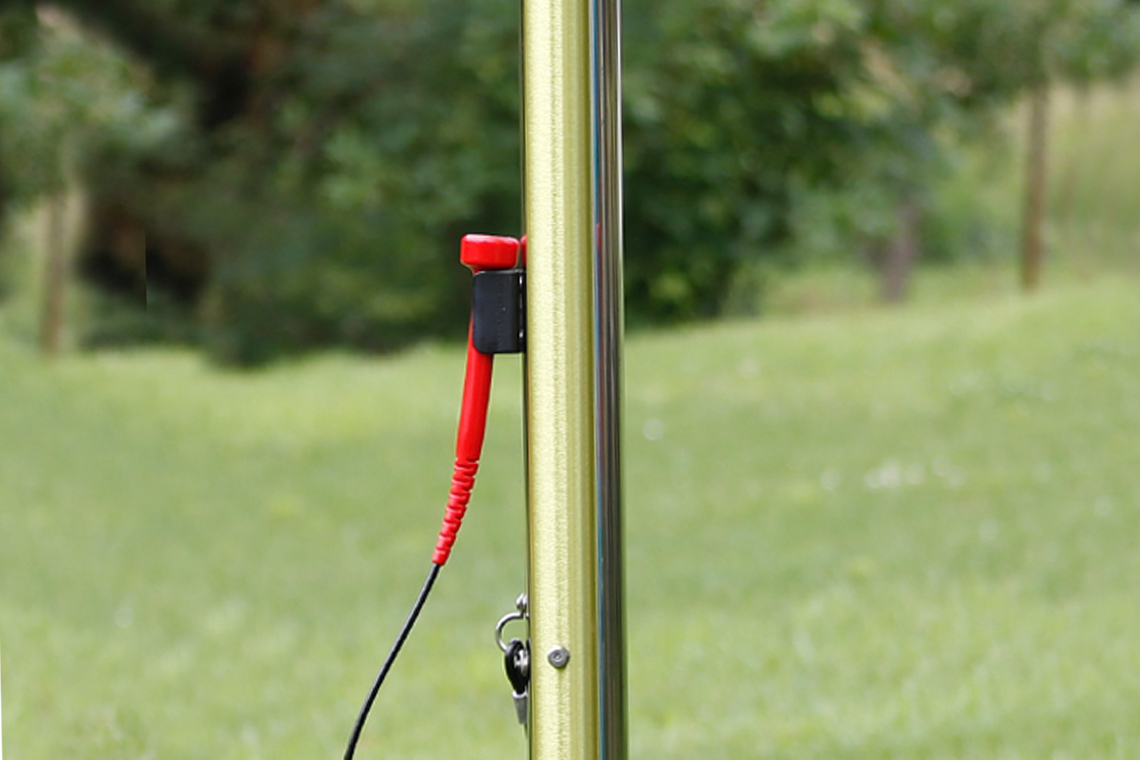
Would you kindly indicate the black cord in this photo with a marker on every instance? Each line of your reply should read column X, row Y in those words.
column 404, row 632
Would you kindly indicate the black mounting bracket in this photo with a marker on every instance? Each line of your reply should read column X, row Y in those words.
column 498, row 311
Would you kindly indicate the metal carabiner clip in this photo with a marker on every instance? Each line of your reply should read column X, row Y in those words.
column 521, row 613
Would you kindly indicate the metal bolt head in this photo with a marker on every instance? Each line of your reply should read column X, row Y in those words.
column 559, row 657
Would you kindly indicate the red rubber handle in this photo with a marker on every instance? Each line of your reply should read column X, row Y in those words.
column 479, row 252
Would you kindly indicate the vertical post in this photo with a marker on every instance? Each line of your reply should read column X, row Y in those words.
column 609, row 327
column 902, row 253
column 1036, row 186
column 55, row 276
column 572, row 168
column 560, row 380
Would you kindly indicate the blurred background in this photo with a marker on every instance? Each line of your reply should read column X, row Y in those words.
column 881, row 283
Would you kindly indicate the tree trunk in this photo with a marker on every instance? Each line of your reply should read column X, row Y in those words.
column 55, row 275
column 901, row 254
column 1033, row 244
column 1068, row 179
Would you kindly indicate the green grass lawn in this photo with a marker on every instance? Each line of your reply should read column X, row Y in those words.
column 890, row 534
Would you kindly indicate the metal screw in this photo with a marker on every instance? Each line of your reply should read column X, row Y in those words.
column 522, row 603
column 559, row 657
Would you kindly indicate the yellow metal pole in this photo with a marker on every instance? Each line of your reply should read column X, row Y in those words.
column 560, row 377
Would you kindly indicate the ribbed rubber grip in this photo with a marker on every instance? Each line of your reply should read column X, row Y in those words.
column 462, row 481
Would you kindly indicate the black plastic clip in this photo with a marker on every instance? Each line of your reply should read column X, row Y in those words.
column 498, row 311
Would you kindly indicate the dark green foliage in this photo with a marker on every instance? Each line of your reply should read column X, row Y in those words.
column 330, row 197
column 718, row 126
column 738, row 113
column 302, row 170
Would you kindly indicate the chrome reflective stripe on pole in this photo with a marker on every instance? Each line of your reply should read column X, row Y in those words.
column 560, row 381
column 609, row 327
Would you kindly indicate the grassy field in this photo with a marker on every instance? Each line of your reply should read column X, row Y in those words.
column 859, row 533
column 893, row 534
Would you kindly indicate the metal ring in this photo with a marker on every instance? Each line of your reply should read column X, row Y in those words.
column 503, row 624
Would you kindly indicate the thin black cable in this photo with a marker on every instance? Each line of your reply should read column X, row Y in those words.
column 404, row 632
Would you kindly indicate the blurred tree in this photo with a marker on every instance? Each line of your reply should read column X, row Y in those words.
column 1064, row 40
column 299, row 171
column 727, row 105
column 933, row 75
column 327, row 157
column 60, row 91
